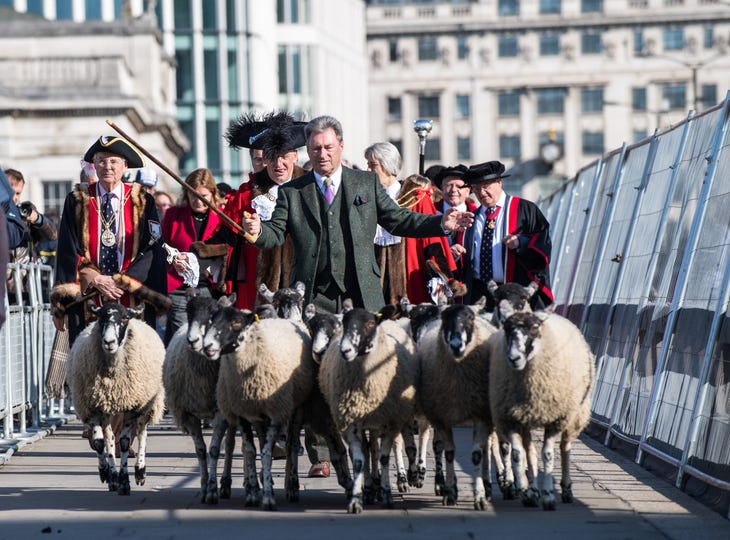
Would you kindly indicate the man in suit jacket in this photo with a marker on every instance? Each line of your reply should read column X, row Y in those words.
column 331, row 213
column 518, row 247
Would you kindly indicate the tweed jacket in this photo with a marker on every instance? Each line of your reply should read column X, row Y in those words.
column 365, row 204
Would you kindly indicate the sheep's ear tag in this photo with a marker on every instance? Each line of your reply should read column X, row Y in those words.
column 256, row 318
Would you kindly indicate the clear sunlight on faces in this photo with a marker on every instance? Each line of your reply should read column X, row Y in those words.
column 325, row 152
column 196, row 205
column 375, row 166
column 488, row 193
column 455, row 191
column 109, row 168
column 280, row 170
column 257, row 160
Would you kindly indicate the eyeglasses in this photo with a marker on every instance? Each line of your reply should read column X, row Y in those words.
column 112, row 162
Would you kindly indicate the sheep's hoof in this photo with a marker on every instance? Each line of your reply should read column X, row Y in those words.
column 412, row 477
column 548, row 500
column 402, row 483
column 420, row 477
column 387, row 498
column 355, row 506
column 253, row 498
column 530, row 497
column 292, row 489
column 268, row 503
column 566, row 493
column 509, row 492
column 480, row 503
column 104, row 474
column 369, row 494
column 211, row 495
column 449, row 496
column 226, row 483
column 439, row 483
column 140, row 473
column 113, row 481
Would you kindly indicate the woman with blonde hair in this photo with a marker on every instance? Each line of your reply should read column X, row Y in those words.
column 187, row 222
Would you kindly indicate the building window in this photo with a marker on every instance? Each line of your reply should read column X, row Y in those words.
column 292, row 11
column 463, row 106
column 213, row 138
column 64, row 10
column 232, row 69
column 183, row 15
column 550, row 100
column 394, row 109
column 185, row 69
column 290, row 69
column 673, row 39
column 54, row 194
column 35, row 6
column 549, row 44
column 591, row 6
column 393, row 50
column 708, row 37
column 638, row 99
column 93, row 10
column 509, row 147
column 210, row 69
column 462, row 48
column 638, row 42
column 507, row 46
column 508, row 103
column 549, row 7
column 508, row 8
column 186, row 120
column 590, row 43
column 427, row 49
column 428, row 106
column 463, row 148
column 210, row 19
column 433, row 150
column 554, row 136
column 675, row 96
column 592, row 142
column 399, row 145
column 708, row 95
column 591, row 100
column 230, row 17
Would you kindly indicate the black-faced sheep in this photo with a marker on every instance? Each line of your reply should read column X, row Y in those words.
column 368, row 377
column 508, row 298
column 541, row 376
column 287, row 301
column 266, row 374
column 454, row 388
column 115, row 366
column 190, row 381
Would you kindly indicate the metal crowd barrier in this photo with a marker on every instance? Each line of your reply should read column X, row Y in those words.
column 641, row 262
column 25, row 348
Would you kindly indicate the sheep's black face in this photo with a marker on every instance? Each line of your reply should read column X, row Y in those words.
column 226, row 331
column 359, row 327
column 420, row 316
column 457, row 328
column 322, row 327
column 522, row 333
column 200, row 311
column 287, row 301
column 113, row 320
column 510, row 298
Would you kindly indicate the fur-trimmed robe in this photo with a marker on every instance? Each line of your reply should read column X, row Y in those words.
column 78, row 254
column 248, row 265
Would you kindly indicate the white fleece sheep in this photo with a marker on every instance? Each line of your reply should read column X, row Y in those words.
column 190, row 381
column 115, row 366
column 454, row 388
column 266, row 374
column 368, row 377
column 541, row 376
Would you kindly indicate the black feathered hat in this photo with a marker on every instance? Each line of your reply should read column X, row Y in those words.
column 449, row 172
column 118, row 146
column 275, row 133
column 490, row 171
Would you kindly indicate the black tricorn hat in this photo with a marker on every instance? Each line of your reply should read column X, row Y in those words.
column 457, row 171
column 490, row 171
column 118, row 146
column 275, row 132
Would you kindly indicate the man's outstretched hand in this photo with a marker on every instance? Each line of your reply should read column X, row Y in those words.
column 456, row 220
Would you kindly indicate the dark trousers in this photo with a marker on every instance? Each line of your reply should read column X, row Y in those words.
column 478, row 291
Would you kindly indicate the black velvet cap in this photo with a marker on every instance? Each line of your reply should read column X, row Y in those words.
column 118, row 146
column 490, row 171
column 454, row 172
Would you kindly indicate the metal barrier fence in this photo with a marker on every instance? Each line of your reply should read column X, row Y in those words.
column 25, row 349
column 641, row 262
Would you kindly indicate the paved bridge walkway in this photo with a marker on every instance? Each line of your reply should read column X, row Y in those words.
column 50, row 489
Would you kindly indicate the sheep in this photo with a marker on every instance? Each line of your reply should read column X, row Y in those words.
column 508, row 298
column 266, row 374
column 542, row 375
column 115, row 366
column 454, row 388
column 190, row 380
column 287, row 301
column 368, row 377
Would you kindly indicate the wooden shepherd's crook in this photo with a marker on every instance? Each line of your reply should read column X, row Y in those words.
column 228, row 221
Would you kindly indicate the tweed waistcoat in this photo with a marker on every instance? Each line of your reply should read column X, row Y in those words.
column 332, row 253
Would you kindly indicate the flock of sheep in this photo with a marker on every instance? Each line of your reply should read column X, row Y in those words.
column 360, row 379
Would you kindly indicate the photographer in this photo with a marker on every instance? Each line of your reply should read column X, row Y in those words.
column 37, row 227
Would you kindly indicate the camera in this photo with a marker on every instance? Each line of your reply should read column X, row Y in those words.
column 25, row 209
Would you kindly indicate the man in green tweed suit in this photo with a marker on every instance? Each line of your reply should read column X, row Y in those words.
column 331, row 213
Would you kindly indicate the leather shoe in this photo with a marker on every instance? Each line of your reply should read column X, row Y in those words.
column 321, row 469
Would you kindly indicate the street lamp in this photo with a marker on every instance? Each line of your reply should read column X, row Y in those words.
column 694, row 67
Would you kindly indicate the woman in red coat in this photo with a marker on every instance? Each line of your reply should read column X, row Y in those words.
column 191, row 220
